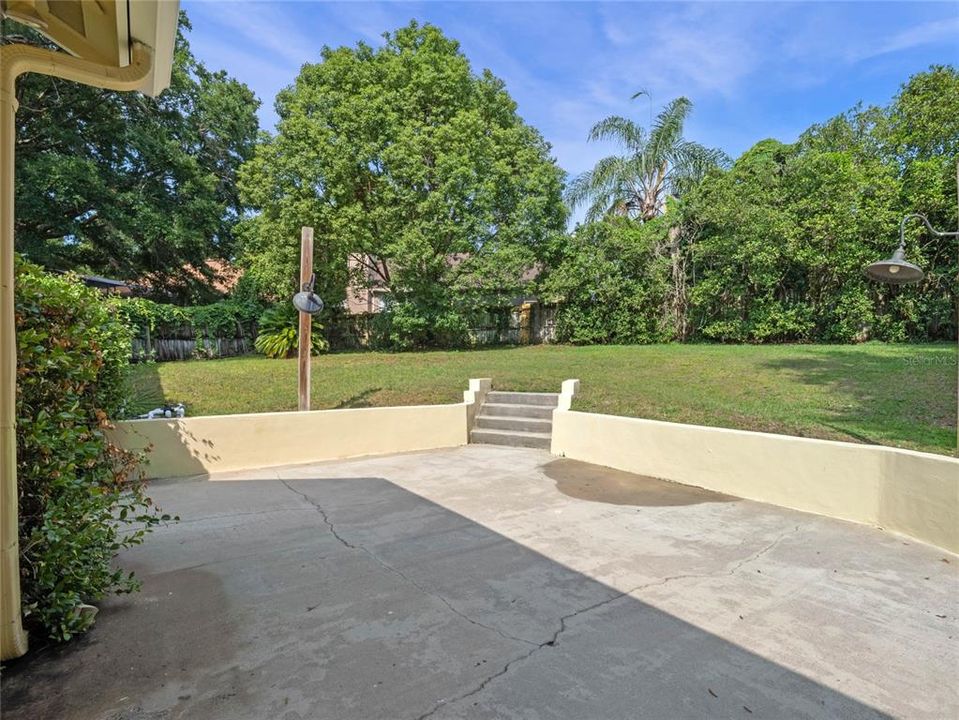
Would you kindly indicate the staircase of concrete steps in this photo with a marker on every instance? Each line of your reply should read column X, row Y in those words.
column 519, row 419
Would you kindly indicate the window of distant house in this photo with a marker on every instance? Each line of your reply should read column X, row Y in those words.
column 381, row 301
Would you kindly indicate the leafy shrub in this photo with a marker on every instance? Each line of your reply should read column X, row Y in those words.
column 409, row 326
column 224, row 319
column 279, row 337
column 80, row 499
column 610, row 284
column 451, row 330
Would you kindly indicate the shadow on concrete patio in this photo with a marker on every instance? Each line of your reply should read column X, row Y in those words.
column 354, row 598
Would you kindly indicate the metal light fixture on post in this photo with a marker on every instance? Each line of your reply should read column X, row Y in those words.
column 898, row 271
column 307, row 301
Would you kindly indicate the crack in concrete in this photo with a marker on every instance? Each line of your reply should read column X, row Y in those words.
column 563, row 621
column 546, row 644
column 396, row 571
column 322, row 512
column 759, row 553
column 565, row 618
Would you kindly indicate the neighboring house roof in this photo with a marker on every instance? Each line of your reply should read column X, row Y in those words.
column 224, row 278
column 367, row 296
column 225, row 275
column 103, row 283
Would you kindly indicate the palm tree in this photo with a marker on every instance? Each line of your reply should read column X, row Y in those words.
column 657, row 164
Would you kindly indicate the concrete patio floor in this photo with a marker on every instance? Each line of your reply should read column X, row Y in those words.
column 489, row 582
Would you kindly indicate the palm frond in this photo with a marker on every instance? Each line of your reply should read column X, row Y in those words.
column 659, row 162
column 623, row 130
column 607, row 186
column 691, row 162
column 667, row 129
column 579, row 189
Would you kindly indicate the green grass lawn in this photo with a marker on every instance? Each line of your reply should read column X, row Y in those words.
column 902, row 395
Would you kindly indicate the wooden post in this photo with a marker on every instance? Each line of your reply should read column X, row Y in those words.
column 306, row 320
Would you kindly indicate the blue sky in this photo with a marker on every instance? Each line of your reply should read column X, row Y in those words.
column 753, row 70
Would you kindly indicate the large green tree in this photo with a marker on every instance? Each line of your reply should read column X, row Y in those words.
column 773, row 249
column 782, row 238
column 129, row 186
column 406, row 159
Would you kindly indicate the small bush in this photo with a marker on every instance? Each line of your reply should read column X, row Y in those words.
column 80, row 499
column 279, row 332
column 406, row 325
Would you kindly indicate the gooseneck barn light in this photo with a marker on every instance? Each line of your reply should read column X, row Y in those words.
column 307, row 301
column 897, row 270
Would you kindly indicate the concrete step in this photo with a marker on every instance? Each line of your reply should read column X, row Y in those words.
column 512, row 438
column 542, row 412
column 499, row 397
column 495, row 422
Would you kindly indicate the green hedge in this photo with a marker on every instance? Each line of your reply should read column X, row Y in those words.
column 80, row 499
column 224, row 319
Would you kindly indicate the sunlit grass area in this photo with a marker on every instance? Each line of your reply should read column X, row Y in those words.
column 902, row 395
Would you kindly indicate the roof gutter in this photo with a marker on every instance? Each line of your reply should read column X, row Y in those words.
column 16, row 60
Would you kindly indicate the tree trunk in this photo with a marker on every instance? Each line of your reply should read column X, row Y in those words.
column 678, row 301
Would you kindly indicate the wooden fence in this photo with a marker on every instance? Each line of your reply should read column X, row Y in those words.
column 531, row 324
column 528, row 324
column 164, row 349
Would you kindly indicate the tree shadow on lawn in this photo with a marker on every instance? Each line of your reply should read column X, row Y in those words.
column 905, row 398
column 352, row 597
column 359, row 400
column 146, row 389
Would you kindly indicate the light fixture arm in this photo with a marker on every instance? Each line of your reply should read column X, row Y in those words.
column 308, row 286
column 925, row 220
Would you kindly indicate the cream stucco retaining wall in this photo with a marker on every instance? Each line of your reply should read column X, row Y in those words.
column 916, row 494
column 203, row 445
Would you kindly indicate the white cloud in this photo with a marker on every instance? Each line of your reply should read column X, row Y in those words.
column 270, row 27
column 365, row 20
column 691, row 50
column 927, row 33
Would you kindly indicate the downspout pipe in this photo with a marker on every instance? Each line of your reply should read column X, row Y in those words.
column 15, row 60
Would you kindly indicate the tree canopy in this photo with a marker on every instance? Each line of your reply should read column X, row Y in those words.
column 773, row 249
column 658, row 163
column 406, row 159
column 128, row 186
